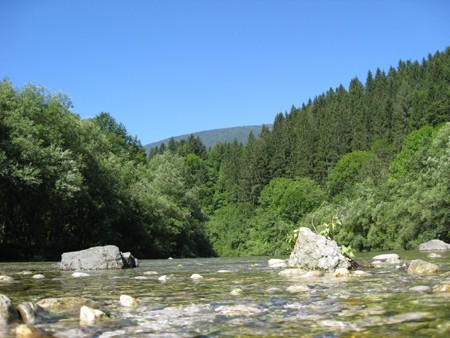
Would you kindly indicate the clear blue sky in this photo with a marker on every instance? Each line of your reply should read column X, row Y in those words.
column 172, row 67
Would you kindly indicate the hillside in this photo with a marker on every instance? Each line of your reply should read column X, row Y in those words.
column 211, row 137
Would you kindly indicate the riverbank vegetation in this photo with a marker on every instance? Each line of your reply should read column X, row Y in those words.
column 375, row 156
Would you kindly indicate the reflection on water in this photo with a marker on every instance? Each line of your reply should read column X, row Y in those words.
column 381, row 303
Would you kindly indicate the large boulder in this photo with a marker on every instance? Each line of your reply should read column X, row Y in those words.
column 316, row 252
column 97, row 258
column 434, row 245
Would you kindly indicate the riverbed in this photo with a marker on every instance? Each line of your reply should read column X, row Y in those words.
column 240, row 297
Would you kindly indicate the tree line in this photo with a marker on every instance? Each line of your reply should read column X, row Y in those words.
column 374, row 155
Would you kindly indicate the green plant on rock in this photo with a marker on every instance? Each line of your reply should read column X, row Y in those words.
column 291, row 238
column 330, row 231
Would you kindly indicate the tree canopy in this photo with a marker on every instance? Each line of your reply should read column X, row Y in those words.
column 374, row 155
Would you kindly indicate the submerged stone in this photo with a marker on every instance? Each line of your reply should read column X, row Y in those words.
column 420, row 267
column 236, row 292
column 420, row 288
column 297, row 288
column 80, row 274
column 277, row 263
column 434, row 255
column 300, row 273
column 388, row 258
column 341, row 272
column 442, row 288
column 64, row 304
column 238, row 310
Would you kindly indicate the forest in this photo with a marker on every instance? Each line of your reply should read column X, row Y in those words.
column 372, row 159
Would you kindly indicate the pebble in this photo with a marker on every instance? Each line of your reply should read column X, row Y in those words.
column 434, row 255
column 38, row 276
column 341, row 272
column 25, row 272
column 297, row 288
column 442, row 288
column 141, row 277
column 150, row 273
column 236, row 292
column 359, row 273
column 165, row 278
column 388, row 258
column 6, row 279
column 26, row 331
column 238, row 310
column 80, row 274
column 224, row 271
column 420, row 288
column 90, row 315
column 277, row 263
column 128, row 301
column 300, row 273
column 273, row 290
column 196, row 276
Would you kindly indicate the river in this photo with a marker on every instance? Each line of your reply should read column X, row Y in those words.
column 240, row 297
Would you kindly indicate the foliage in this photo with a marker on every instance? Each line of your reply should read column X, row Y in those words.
column 375, row 155
column 68, row 183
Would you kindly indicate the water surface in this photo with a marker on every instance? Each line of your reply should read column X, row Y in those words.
column 241, row 297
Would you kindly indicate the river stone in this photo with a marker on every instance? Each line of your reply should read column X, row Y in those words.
column 6, row 279
column 128, row 301
column 166, row 278
column 27, row 331
column 277, row 263
column 388, row 258
column 90, row 315
column 297, row 288
column 8, row 312
column 300, row 273
column 80, row 274
column 434, row 245
column 420, row 288
column 196, row 276
column 316, row 252
column 38, row 276
column 31, row 313
column 64, row 304
column 442, row 288
column 434, row 255
column 342, row 272
column 420, row 267
column 96, row 258
column 238, row 310
column 236, row 292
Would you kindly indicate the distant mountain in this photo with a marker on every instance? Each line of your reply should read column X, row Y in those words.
column 211, row 137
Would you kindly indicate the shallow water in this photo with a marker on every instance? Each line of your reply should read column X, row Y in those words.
column 379, row 304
